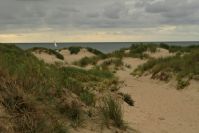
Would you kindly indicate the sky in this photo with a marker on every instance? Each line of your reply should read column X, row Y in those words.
column 98, row 20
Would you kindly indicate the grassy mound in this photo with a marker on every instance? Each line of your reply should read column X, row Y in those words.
column 137, row 50
column 185, row 67
column 76, row 50
column 39, row 97
column 49, row 51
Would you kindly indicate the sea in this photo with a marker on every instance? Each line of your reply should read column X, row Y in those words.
column 105, row 47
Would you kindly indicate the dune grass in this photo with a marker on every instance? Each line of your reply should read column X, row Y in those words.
column 49, row 51
column 112, row 112
column 183, row 66
column 76, row 50
column 33, row 93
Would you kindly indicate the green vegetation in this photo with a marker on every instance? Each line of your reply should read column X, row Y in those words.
column 116, row 62
column 74, row 50
column 39, row 97
column 88, row 98
column 49, row 51
column 138, row 50
column 87, row 60
column 181, row 49
column 73, row 112
column 112, row 112
column 182, row 65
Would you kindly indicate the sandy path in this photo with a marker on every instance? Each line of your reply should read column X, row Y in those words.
column 159, row 107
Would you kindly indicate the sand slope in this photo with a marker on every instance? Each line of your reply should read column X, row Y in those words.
column 160, row 53
column 159, row 107
column 70, row 58
column 47, row 58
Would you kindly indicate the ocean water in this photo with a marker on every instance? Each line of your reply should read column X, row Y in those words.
column 105, row 47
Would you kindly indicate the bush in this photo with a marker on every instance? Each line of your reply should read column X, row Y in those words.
column 74, row 50
column 111, row 110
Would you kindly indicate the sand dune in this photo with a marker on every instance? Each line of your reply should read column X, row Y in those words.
column 159, row 107
column 70, row 58
column 160, row 53
column 47, row 58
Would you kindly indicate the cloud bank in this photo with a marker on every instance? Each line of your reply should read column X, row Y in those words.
column 166, row 18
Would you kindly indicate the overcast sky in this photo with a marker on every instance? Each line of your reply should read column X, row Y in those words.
column 98, row 20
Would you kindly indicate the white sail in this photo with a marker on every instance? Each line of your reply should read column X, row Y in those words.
column 55, row 44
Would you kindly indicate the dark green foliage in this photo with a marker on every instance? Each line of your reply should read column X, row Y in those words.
column 164, row 45
column 87, row 60
column 49, row 51
column 74, row 50
column 96, row 52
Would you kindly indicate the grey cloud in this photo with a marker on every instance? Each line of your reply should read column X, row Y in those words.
column 92, row 14
column 115, row 10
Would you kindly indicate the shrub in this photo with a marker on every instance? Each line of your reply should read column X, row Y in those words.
column 74, row 50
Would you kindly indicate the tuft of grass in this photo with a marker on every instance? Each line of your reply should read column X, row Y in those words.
column 73, row 112
column 127, row 98
column 88, row 98
column 182, row 84
column 112, row 112
column 87, row 60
